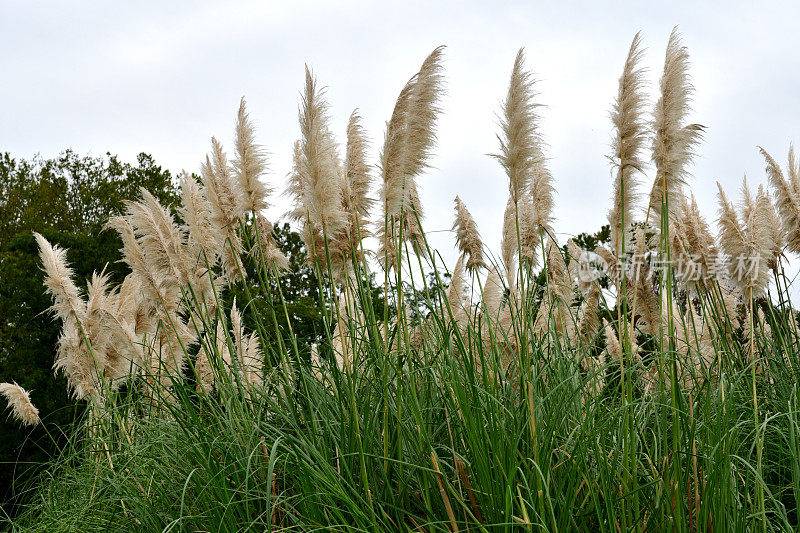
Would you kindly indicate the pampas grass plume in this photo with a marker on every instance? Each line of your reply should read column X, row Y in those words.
column 468, row 239
column 630, row 134
column 19, row 401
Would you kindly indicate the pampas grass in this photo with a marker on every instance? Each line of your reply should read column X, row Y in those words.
column 674, row 141
column 468, row 240
column 547, row 394
column 630, row 135
column 410, row 137
column 787, row 197
column 19, row 401
column 748, row 243
column 249, row 165
column 518, row 142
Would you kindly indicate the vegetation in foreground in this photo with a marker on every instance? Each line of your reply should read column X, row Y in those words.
column 647, row 385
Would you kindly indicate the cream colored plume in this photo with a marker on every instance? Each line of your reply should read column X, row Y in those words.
column 640, row 290
column 267, row 246
column 493, row 291
column 542, row 192
column 410, row 137
column 253, row 360
column 777, row 235
column 509, row 246
column 249, row 165
column 357, row 173
column 345, row 247
column 588, row 318
column 113, row 341
column 747, row 245
column 530, row 233
column 519, row 139
column 674, row 141
column 630, row 134
column 67, row 302
column 161, row 239
column 74, row 358
column 456, row 294
column 610, row 264
column 787, row 197
column 249, row 356
column 554, row 311
column 613, row 346
column 19, row 401
column 317, row 186
column 522, row 157
column 579, row 268
column 203, row 239
column 152, row 247
column 695, row 349
column 468, row 239
column 155, row 286
column 222, row 193
column 694, row 250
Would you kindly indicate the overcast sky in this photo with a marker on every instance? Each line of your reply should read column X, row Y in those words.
column 163, row 77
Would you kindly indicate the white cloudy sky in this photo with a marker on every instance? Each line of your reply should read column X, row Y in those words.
column 163, row 77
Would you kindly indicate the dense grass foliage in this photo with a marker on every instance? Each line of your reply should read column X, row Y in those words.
column 426, row 438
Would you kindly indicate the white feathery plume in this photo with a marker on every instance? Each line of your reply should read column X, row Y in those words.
column 456, row 294
column 249, row 165
column 253, row 360
column 747, row 245
column 319, row 200
column 613, row 346
column 318, row 186
column 468, row 239
column 107, row 333
column 630, row 134
column 73, row 358
column 522, row 157
column 777, row 235
column 267, row 246
column 697, row 238
column 519, row 140
column 555, row 306
column 19, row 401
column 542, row 192
column 493, row 291
column 67, row 301
column 157, row 289
column 410, row 137
column 529, row 231
column 357, row 172
column 787, row 197
column 674, row 142
column 161, row 239
column 222, row 194
column 610, row 264
column 509, row 246
column 195, row 210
